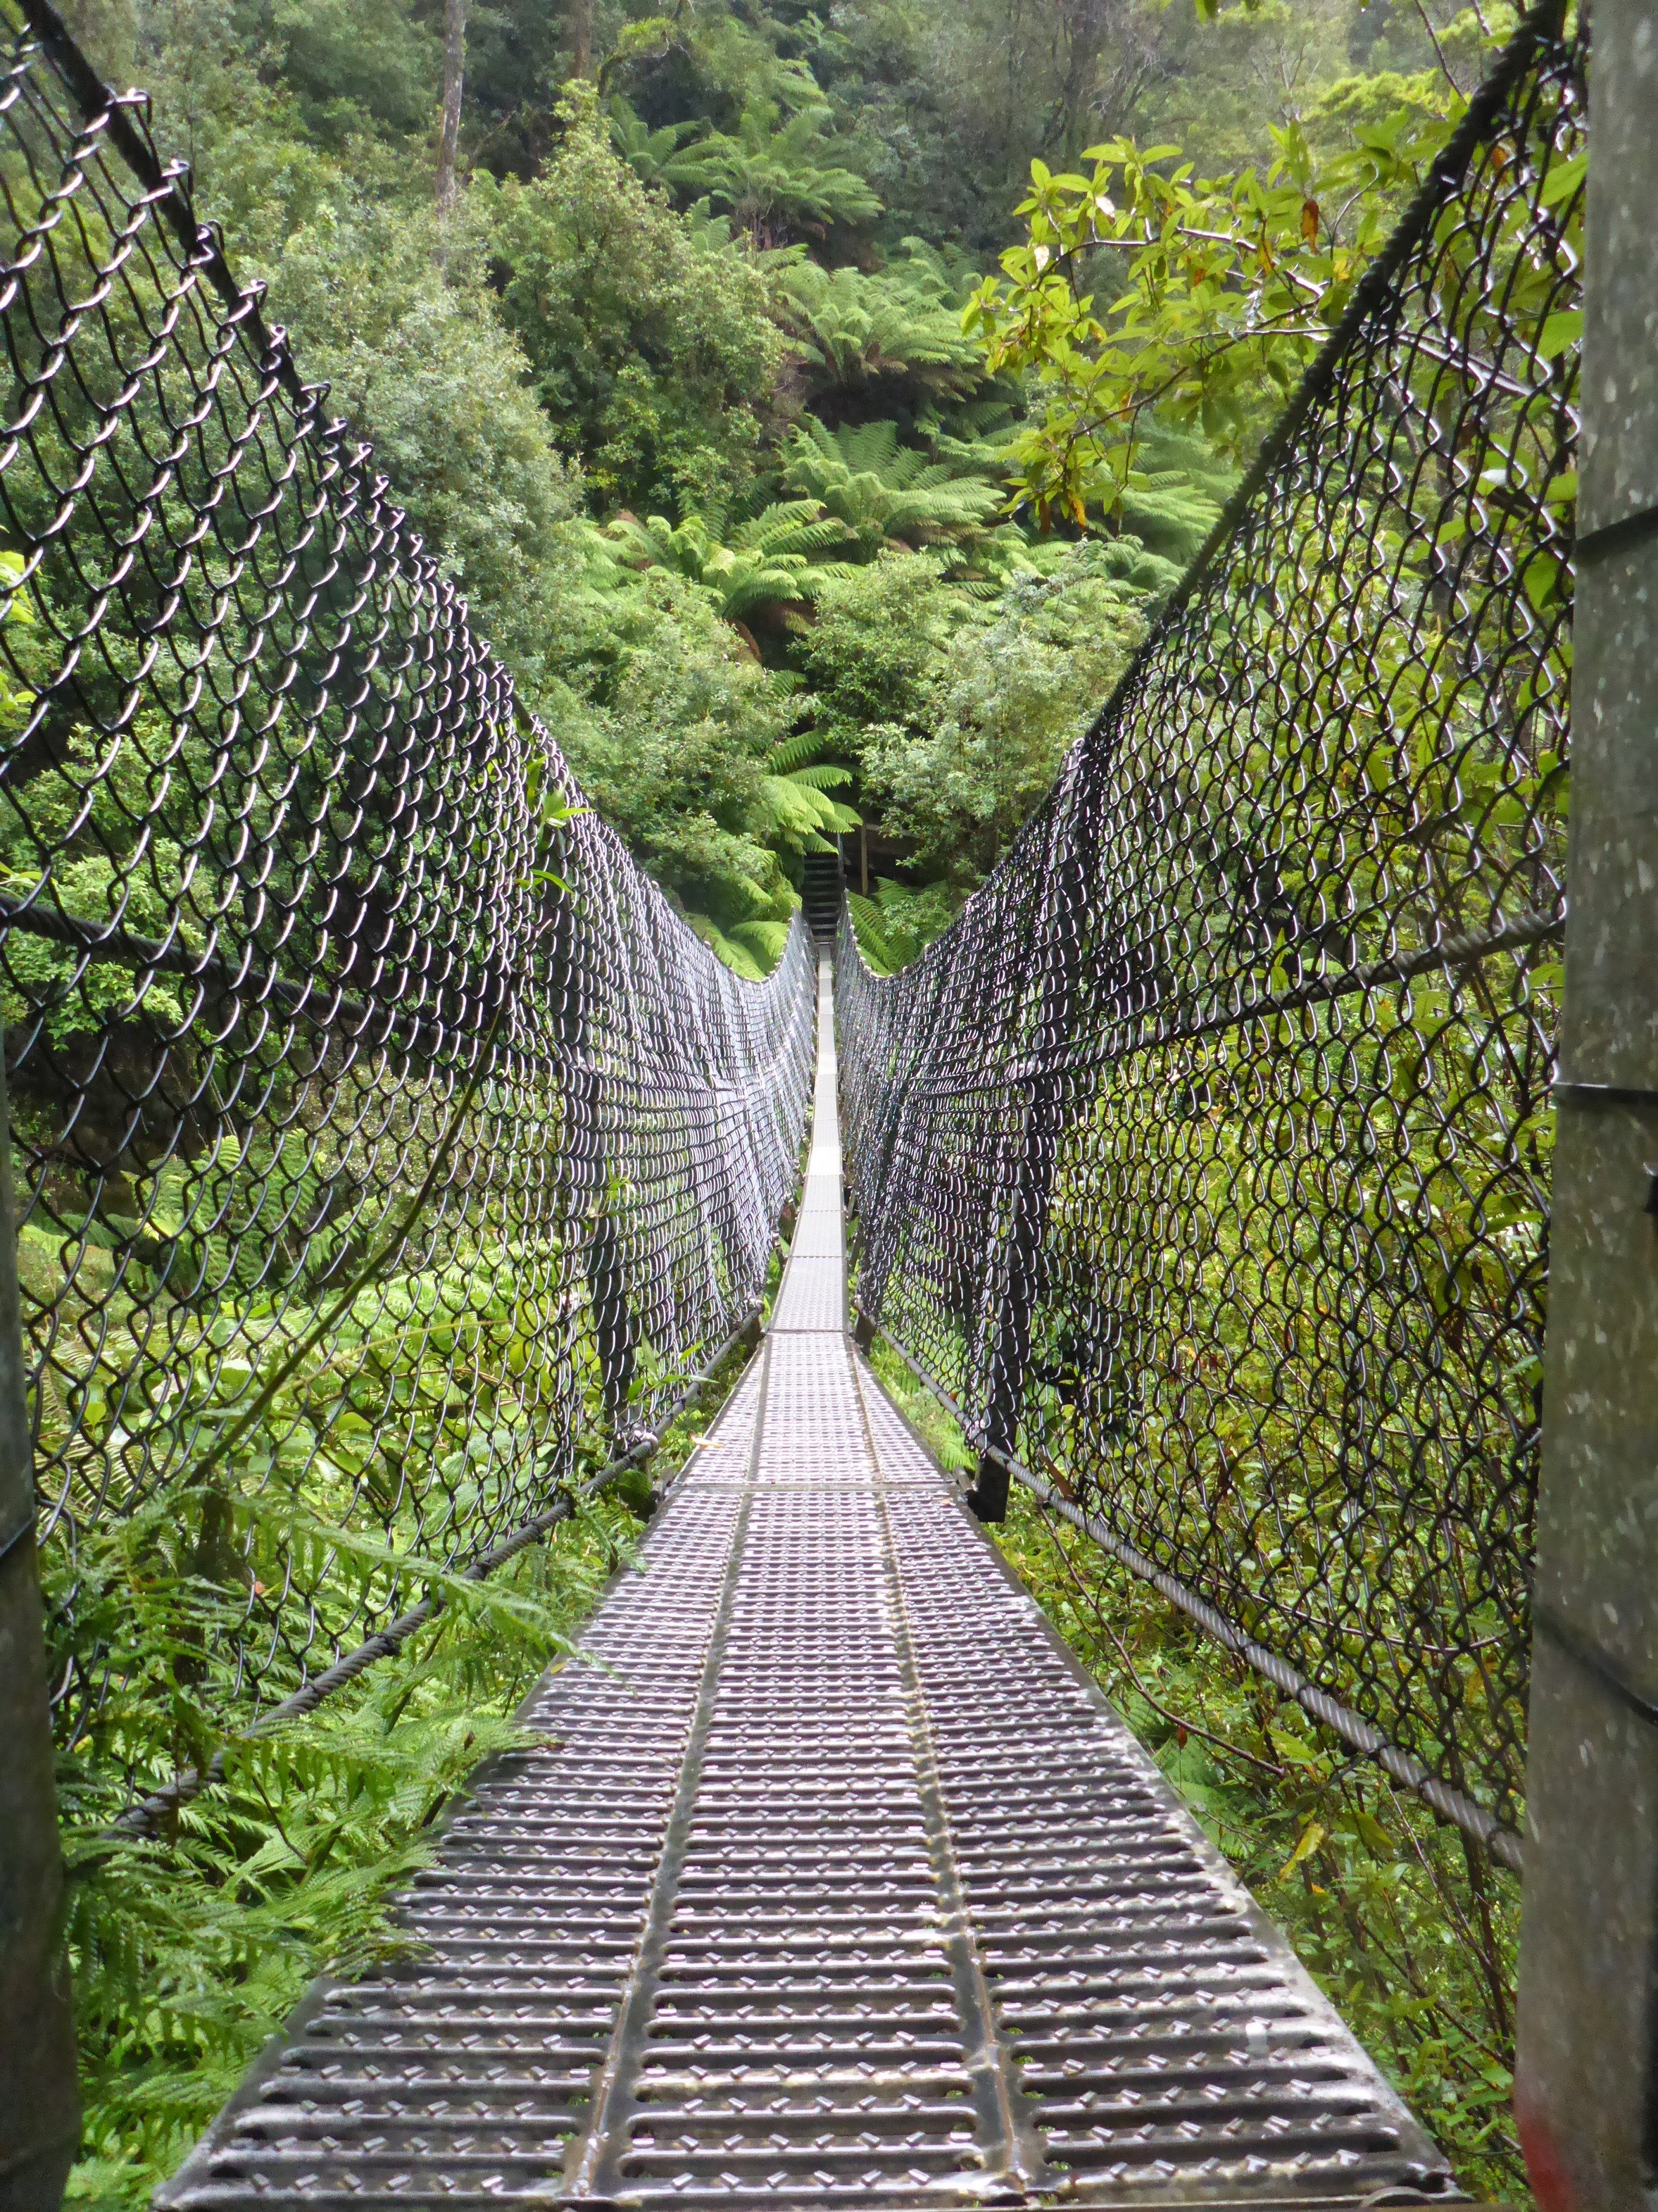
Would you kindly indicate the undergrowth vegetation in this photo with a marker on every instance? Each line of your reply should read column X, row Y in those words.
column 191, row 1948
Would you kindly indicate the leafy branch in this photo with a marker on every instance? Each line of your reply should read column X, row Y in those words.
column 1142, row 288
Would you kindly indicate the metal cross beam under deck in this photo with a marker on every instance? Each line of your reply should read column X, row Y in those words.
column 837, row 1882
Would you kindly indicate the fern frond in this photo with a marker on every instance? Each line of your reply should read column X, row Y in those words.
column 735, row 954
column 871, row 932
column 764, row 940
column 796, row 751
column 886, row 493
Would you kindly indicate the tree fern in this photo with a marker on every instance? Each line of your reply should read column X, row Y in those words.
column 800, row 751
column 657, row 158
column 779, row 177
column 764, row 940
column 1173, row 495
column 886, row 493
column 795, row 788
column 895, row 924
column 772, row 560
column 897, row 327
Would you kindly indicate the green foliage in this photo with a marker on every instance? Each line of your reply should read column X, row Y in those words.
column 885, row 493
column 673, row 742
column 1172, row 496
column 189, row 1951
column 874, row 653
column 657, row 158
column 346, row 60
column 799, row 784
column 593, row 338
column 712, row 64
column 1141, row 285
column 419, row 360
column 652, row 349
column 974, row 728
column 757, row 566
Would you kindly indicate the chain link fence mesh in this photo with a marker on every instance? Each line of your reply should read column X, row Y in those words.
column 387, row 1153
column 1203, row 1163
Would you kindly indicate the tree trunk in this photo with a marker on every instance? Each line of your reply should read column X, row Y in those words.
column 1085, row 27
column 581, row 38
column 454, row 72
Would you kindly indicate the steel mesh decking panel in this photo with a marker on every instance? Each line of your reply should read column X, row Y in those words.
column 727, row 1448
column 463, row 2075
column 806, row 2036
column 838, row 1884
column 816, row 1240
column 814, row 1429
column 814, row 1296
column 1163, row 2034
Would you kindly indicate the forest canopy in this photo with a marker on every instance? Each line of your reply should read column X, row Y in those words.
column 810, row 400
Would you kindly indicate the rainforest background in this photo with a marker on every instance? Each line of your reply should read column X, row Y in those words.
column 676, row 374
column 816, row 464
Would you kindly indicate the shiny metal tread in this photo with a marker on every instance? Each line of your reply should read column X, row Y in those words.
column 836, row 1882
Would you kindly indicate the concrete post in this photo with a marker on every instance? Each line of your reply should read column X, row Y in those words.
column 1587, row 2066
column 40, row 2105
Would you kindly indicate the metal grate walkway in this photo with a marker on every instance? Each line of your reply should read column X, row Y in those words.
column 837, row 1882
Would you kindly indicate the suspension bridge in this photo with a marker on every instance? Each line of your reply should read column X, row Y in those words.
column 838, row 1881
column 390, row 1167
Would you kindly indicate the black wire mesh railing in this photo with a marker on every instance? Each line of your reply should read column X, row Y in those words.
column 1203, row 1164
column 388, row 1156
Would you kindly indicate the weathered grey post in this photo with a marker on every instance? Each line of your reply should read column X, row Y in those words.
column 1587, row 2086
column 39, row 2109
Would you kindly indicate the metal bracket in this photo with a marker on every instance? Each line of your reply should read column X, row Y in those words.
column 1615, row 537
column 1603, row 1094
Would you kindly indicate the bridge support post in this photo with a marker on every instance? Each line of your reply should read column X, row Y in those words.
column 1011, row 1345
column 40, row 2100
column 1587, row 2078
